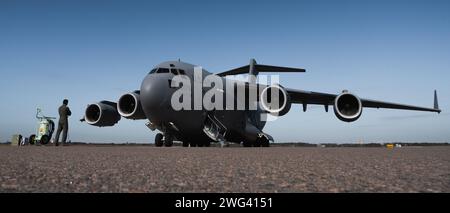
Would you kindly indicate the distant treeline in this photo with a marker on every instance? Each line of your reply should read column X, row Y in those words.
column 359, row 144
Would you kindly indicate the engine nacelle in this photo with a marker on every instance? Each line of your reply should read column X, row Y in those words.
column 347, row 107
column 102, row 114
column 129, row 106
column 275, row 100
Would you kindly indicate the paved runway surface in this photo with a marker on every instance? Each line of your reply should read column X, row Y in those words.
column 177, row 169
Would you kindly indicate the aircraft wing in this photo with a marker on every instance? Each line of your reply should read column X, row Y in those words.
column 309, row 97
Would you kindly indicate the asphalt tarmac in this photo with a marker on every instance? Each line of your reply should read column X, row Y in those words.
column 177, row 169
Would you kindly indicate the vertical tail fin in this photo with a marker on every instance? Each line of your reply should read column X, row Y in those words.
column 252, row 72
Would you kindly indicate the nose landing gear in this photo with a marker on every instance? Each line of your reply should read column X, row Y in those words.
column 159, row 140
column 163, row 140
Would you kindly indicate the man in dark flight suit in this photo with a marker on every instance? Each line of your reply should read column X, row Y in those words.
column 63, row 124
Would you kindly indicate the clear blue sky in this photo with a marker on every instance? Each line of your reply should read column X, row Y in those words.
column 89, row 51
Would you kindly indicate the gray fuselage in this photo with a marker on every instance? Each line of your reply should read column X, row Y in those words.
column 187, row 125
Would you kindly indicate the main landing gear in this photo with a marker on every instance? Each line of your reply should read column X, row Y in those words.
column 167, row 141
column 261, row 141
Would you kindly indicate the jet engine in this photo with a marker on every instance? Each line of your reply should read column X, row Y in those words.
column 129, row 106
column 347, row 107
column 275, row 100
column 102, row 114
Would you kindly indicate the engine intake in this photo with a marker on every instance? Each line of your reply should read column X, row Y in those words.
column 275, row 100
column 347, row 107
column 102, row 114
column 129, row 106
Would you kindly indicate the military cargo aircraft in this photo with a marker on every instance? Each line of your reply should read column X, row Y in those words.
column 183, row 102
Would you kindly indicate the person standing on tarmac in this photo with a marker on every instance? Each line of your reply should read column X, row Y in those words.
column 63, row 124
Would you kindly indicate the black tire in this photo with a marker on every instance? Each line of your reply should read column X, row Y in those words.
column 168, row 140
column 247, row 144
column 200, row 144
column 159, row 140
column 265, row 142
column 185, row 144
column 45, row 139
column 257, row 143
column 31, row 139
column 192, row 144
column 207, row 144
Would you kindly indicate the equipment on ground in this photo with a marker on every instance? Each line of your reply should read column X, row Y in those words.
column 45, row 130
column 16, row 140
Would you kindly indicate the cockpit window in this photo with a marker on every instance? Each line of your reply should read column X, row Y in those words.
column 152, row 71
column 163, row 70
column 182, row 72
column 174, row 71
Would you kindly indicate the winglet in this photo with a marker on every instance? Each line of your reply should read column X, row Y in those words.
column 436, row 104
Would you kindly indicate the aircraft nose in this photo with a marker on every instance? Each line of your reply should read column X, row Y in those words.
column 152, row 94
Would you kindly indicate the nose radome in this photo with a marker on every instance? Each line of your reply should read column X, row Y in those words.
column 152, row 93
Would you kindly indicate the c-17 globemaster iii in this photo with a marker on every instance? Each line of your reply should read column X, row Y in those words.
column 189, row 104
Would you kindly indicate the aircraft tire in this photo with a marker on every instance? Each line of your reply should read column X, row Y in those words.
column 185, row 144
column 247, row 144
column 45, row 139
column 31, row 139
column 265, row 142
column 257, row 143
column 159, row 140
column 168, row 140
